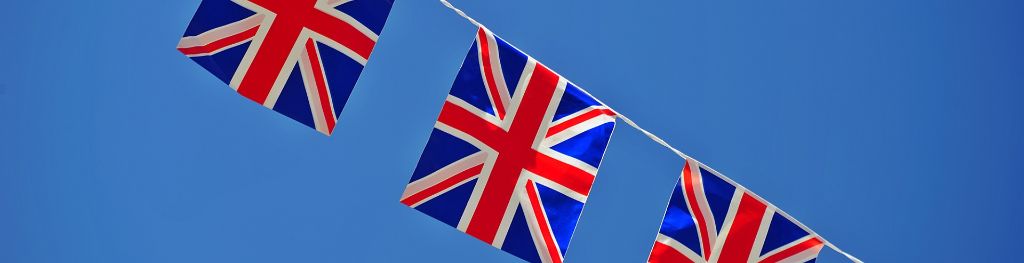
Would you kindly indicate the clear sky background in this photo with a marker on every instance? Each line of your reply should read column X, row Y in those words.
column 893, row 128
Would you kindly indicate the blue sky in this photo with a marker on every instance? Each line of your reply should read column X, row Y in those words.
column 893, row 128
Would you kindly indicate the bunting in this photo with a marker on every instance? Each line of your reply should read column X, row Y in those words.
column 300, row 58
column 710, row 219
column 513, row 155
column 515, row 151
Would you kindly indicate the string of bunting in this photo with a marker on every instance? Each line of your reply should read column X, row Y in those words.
column 515, row 151
column 689, row 160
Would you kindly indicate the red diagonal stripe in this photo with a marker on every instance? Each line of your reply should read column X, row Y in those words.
column 542, row 222
column 321, row 85
column 795, row 249
column 691, row 198
column 443, row 185
column 577, row 120
column 220, row 43
column 485, row 61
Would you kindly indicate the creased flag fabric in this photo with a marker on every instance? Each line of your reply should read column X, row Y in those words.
column 710, row 219
column 300, row 58
column 513, row 155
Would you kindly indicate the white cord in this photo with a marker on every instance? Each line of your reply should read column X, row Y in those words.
column 463, row 14
column 657, row 139
column 651, row 135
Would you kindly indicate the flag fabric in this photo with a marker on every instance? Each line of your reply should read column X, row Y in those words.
column 300, row 58
column 513, row 155
column 709, row 219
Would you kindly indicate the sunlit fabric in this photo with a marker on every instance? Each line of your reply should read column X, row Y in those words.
column 300, row 58
column 711, row 220
column 513, row 156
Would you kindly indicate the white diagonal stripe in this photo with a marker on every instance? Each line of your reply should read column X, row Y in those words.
column 222, row 32
column 444, row 173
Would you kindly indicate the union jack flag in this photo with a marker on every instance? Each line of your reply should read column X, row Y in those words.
column 709, row 219
column 514, row 154
column 300, row 58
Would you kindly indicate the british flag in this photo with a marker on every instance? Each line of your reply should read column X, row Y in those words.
column 300, row 58
column 709, row 219
column 513, row 155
